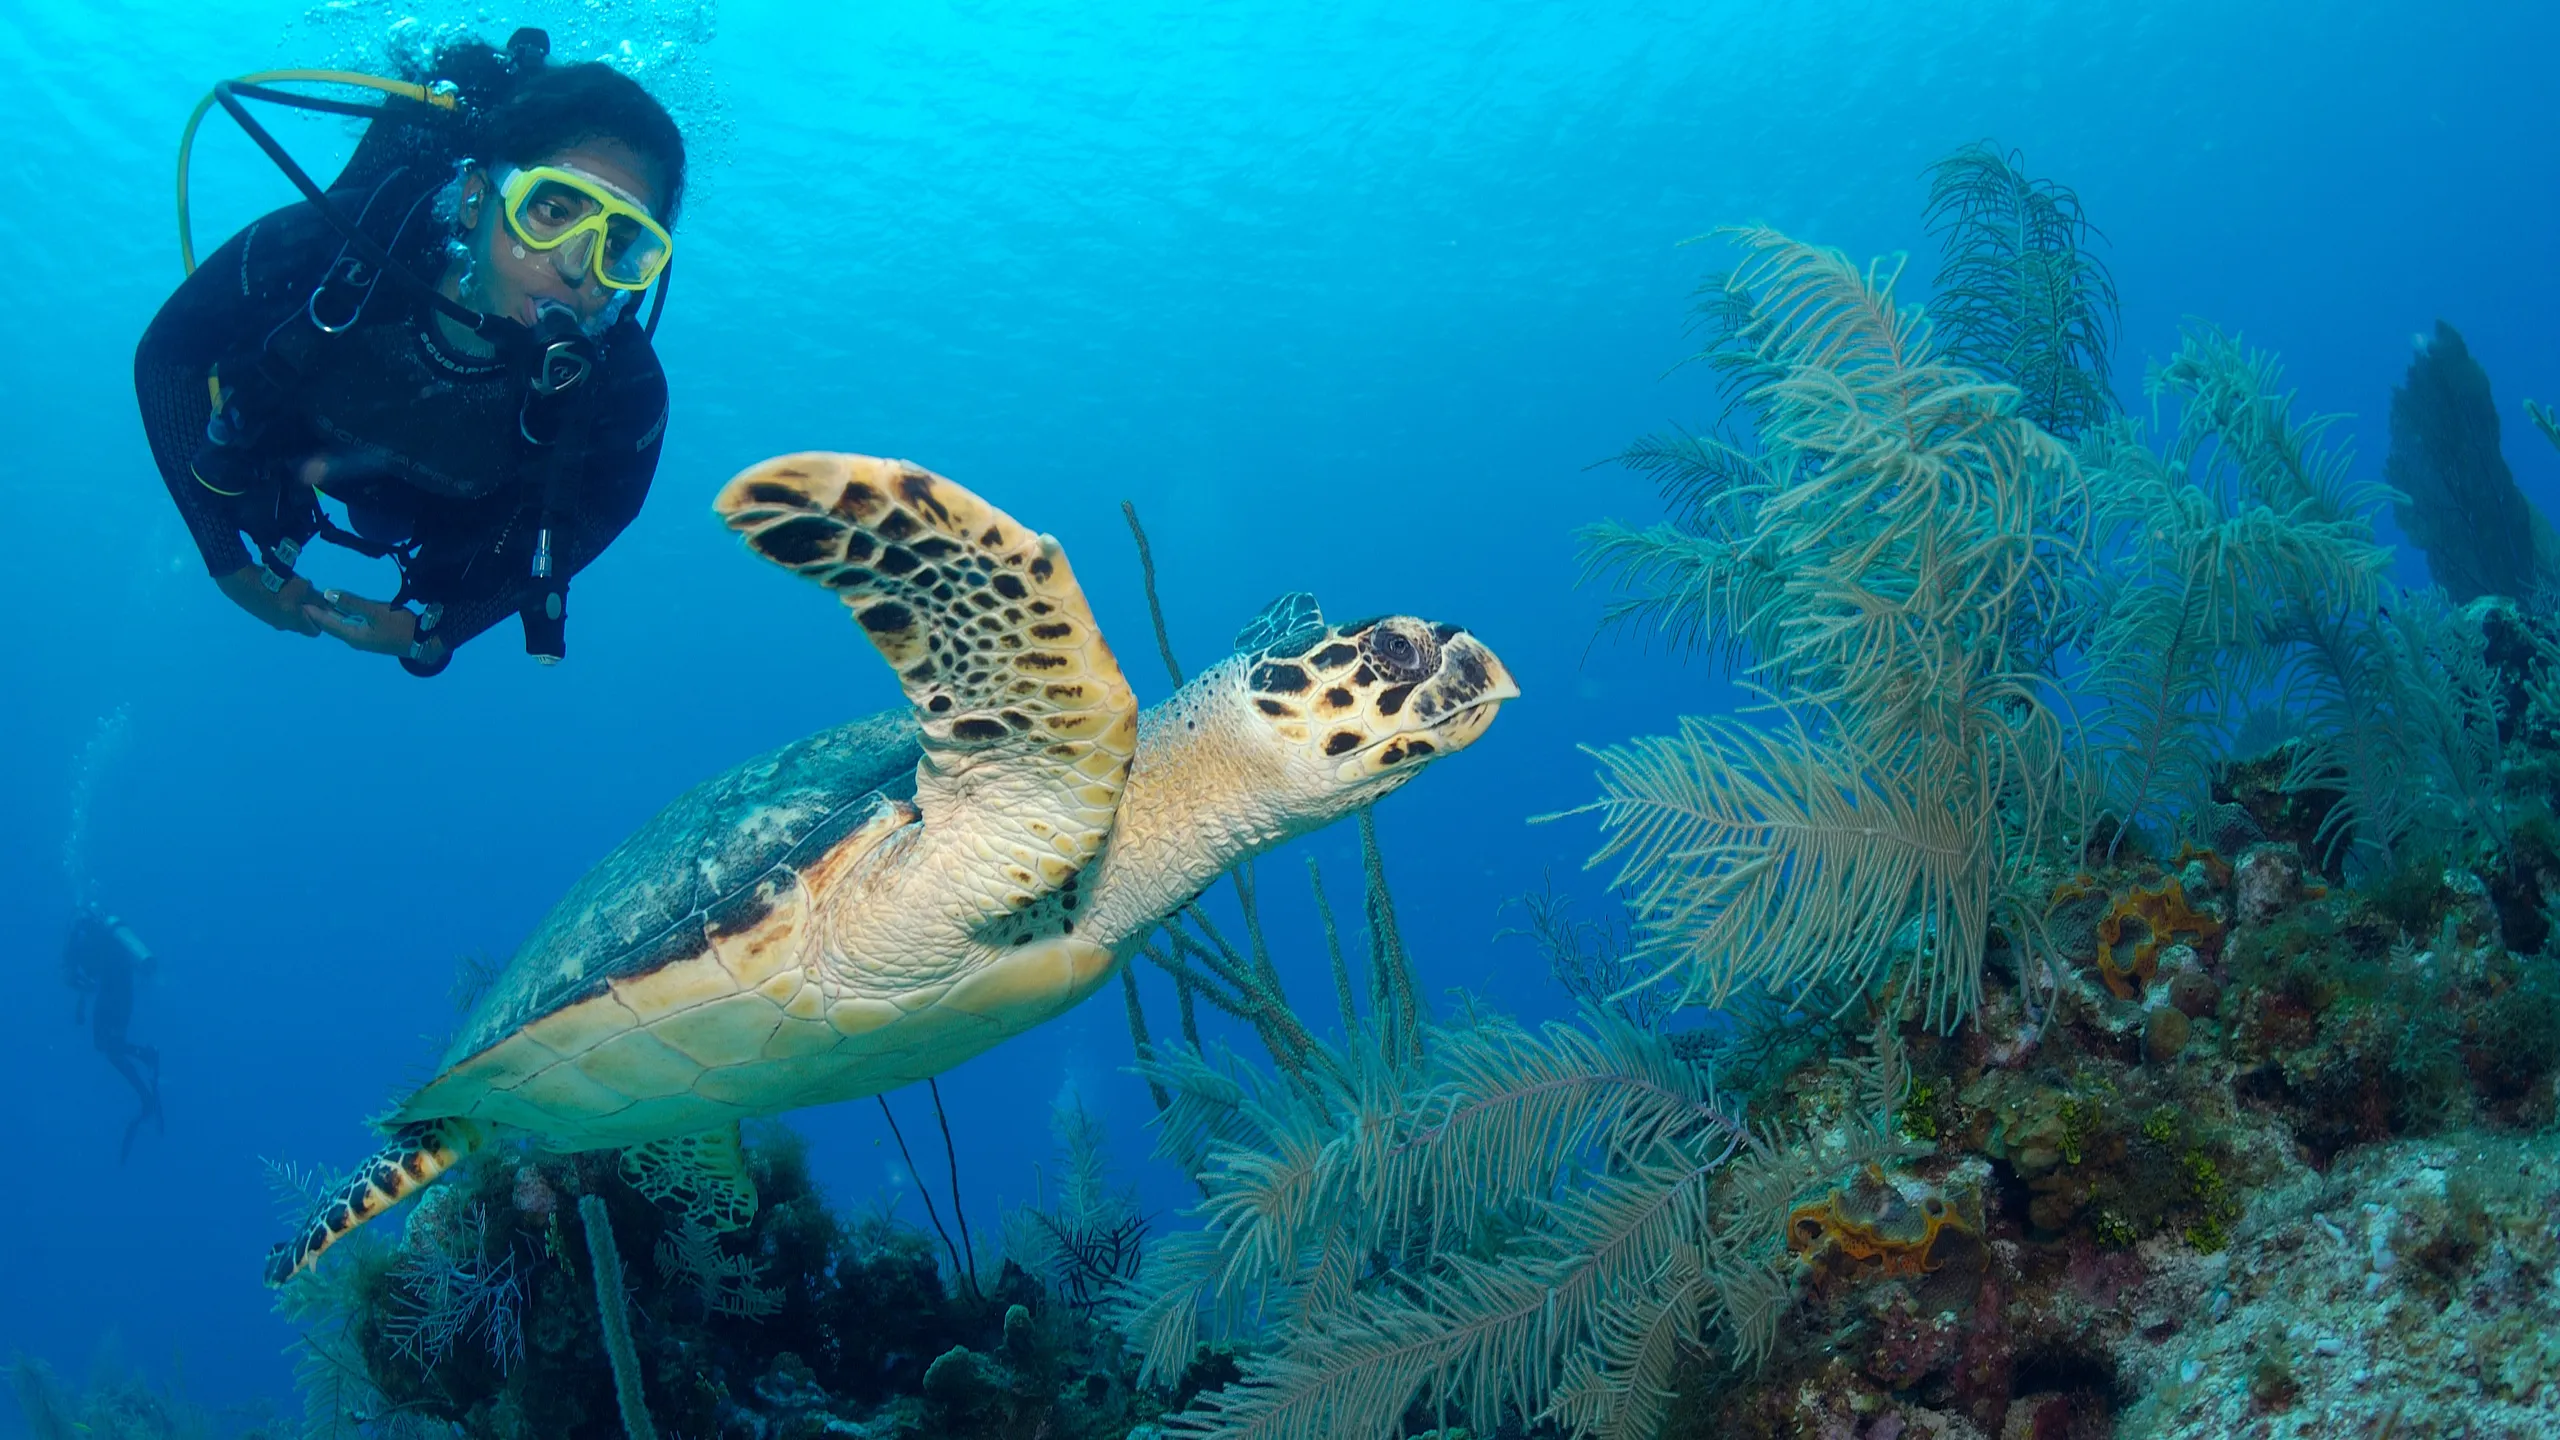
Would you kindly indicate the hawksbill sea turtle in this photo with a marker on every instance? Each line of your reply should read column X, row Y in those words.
column 878, row 902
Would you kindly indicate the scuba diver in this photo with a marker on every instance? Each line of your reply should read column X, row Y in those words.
column 100, row 962
column 490, row 419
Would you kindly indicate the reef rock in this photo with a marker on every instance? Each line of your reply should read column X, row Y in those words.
column 2269, row 883
column 2411, row 1294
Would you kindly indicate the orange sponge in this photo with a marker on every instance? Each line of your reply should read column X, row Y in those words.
column 1873, row 1227
column 2162, row 915
column 2214, row 865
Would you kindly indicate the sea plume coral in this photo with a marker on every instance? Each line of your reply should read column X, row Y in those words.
column 2020, row 295
column 1087, row 1243
column 450, row 1288
column 1893, row 571
column 1522, row 1223
column 2241, row 524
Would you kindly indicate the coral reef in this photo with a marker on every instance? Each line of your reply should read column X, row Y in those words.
column 2077, row 1071
column 2364, row 1034
column 2188, row 986
column 2036, row 1002
column 806, row 1323
column 2329, row 1210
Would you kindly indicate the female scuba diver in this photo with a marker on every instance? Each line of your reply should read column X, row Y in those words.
column 491, row 419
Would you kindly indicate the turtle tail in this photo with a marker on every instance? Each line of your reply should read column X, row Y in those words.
column 417, row 1153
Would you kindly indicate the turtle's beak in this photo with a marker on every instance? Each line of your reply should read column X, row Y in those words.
column 1474, row 684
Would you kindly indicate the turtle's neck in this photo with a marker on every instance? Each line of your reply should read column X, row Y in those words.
column 1201, row 797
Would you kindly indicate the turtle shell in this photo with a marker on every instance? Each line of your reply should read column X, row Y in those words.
column 646, row 904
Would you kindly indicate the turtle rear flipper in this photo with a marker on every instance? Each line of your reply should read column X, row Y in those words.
column 1028, row 724
column 702, row 1176
column 417, row 1153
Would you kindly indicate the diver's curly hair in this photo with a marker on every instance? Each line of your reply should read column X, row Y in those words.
column 530, row 110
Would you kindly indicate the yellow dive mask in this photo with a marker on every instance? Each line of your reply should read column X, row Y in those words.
column 549, row 206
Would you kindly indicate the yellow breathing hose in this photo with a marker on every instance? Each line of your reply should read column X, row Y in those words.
column 187, row 138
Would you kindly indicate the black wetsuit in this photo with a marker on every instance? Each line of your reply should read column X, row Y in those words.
column 99, row 967
column 425, row 445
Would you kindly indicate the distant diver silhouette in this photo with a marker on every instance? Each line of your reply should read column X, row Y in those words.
column 100, row 961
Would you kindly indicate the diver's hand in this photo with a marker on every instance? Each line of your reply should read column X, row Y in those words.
column 368, row 625
column 285, row 609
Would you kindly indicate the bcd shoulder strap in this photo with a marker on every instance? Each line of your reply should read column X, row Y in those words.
column 256, row 386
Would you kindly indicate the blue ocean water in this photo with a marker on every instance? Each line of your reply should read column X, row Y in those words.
column 1347, row 297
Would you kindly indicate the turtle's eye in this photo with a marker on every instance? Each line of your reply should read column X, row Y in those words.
column 1401, row 657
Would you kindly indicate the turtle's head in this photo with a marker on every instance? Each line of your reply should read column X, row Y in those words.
column 1359, row 709
column 1305, row 723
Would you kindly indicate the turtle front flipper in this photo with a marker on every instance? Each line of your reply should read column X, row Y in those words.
column 702, row 1177
column 417, row 1153
column 1028, row 726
